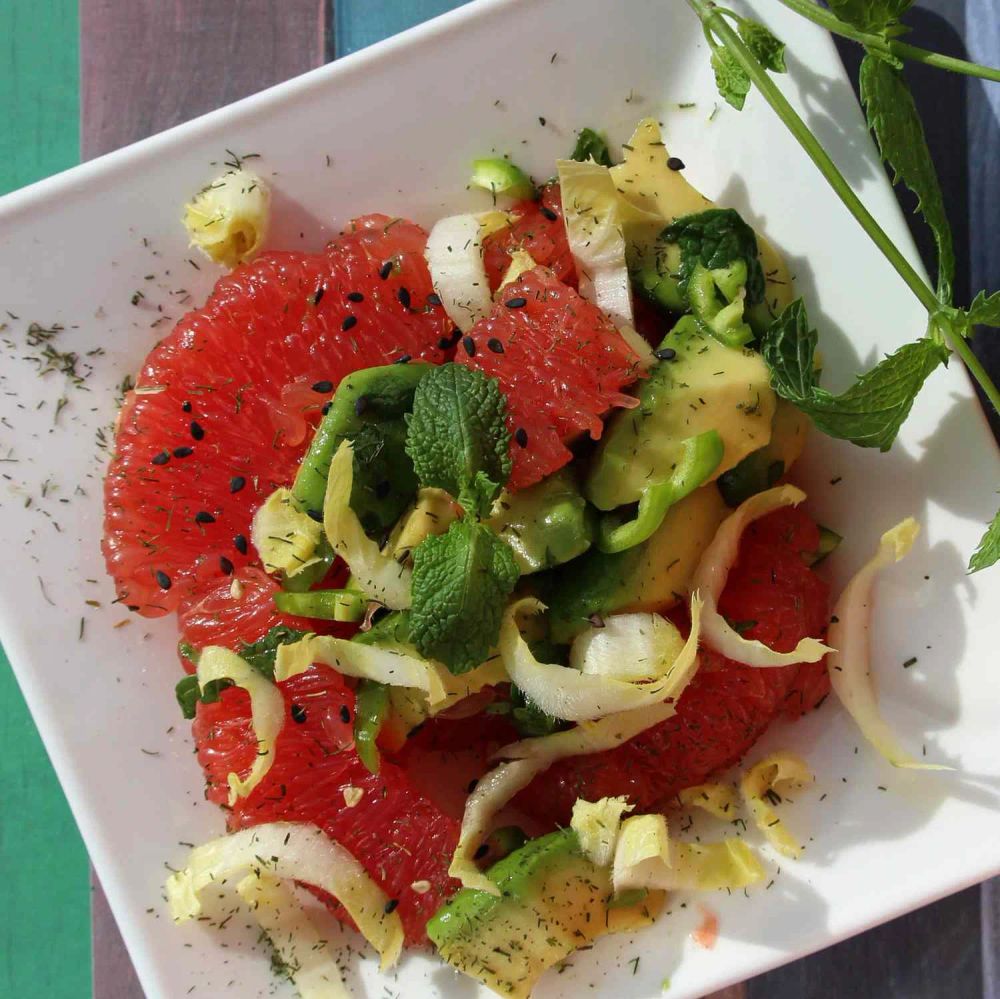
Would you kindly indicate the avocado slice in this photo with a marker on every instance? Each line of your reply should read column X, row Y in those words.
column 652, row 576
column 545, row 525
column 701, row 385
column 552, row 901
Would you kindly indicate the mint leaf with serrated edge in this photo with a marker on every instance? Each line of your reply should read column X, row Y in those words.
column 461, row 581
column 591, row 145
column 872, row 410
column 893, row 117
column 731, row 78
column 988, row 552
column 457, row 436
column 716, row 238
column 984, row 311
column 875, row 16
column 767, row 48
column 261, row 655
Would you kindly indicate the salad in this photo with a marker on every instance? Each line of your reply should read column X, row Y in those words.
column 506, row 503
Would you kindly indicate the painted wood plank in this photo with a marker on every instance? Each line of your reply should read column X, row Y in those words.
column 360, row 22
column 149, row 64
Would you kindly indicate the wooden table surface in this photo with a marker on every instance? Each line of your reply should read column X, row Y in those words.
column 148, row 64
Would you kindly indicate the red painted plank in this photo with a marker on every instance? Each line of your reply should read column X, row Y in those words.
column 148, row 64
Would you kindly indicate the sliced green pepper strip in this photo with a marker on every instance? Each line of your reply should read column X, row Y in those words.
column 326, row 605
column 387, row 393
column 829, row 542
column 724, row 322
column 500, row 176
column 700, row 456
column 660, row 289
column 371, row 708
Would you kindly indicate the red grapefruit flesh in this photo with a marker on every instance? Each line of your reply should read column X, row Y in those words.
column 561, row 364
column 778, row 600
column 222, row 405
column 539, row 229
column 398, row 834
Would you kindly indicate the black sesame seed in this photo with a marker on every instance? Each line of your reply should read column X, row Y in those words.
column 183, row 452
column 675, row 164
column 132, row 607
column 470, row 346
column 240, row 544
column 349, row 323
column 323, row 387
column 360, row 404
column 403, row 294
column 456, row 335
column 666, row 353
column 197, row 430
column 403, row 359
column 495, row 345
column 316, row 515
column 204, row 517
column 318, row 296
column 382, row 489
column 162, row 580
column 298, row 714
column 326, row 407
column 541, row 121
column 473, row 784
column 160, row 459
column 236, row 483
column 225, row 565
column 345, row 713
column 549, row 214
column 186, row 406
column 355, row 296
column 390, row 906
column 521, row 436
column 516, row 303
column 433, row 299
column 385, row 270
column 444, row 343
column 481, row 851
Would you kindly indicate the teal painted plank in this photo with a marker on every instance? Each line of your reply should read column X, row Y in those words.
column 360, row 23
column 39, row 90
column 44, row 918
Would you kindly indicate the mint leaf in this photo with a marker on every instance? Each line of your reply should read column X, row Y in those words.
column 873, row 16
column 984, row 311
column 715, row 239
column 767, row 48
column 731, row 78
column 262, row 653
column 461, row 581
column 988, row 552
column 873, row 409
column 457, row 435
column 893, row 117
column 591, row 145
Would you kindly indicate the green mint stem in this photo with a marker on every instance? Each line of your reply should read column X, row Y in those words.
column 714, row 22
column 901, row 50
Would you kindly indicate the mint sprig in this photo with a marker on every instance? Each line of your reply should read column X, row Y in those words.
column 457, row 436
column 988, row 552
column 874, row 23
column 461, row 581
column 873, row 409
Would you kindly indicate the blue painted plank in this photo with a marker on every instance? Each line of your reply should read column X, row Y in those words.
column 360, row 22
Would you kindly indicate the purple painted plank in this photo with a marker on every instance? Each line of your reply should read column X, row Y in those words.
column 147, row 65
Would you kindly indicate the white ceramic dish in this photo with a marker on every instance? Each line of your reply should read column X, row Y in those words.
column 400, row 123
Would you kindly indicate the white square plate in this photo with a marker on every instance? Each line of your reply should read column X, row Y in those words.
column 400, row 123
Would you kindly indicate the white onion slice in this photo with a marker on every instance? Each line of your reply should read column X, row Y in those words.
column 492, row 793
column 295, row 939
column 454, row 256
column 850, row 665
column 267, row 710
column 780, row 768
column 636, row 646
column 573, row 696
column 596, row 824
column 293, row 851
column 285, row 536
column 713, row 571
column 380, row 577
